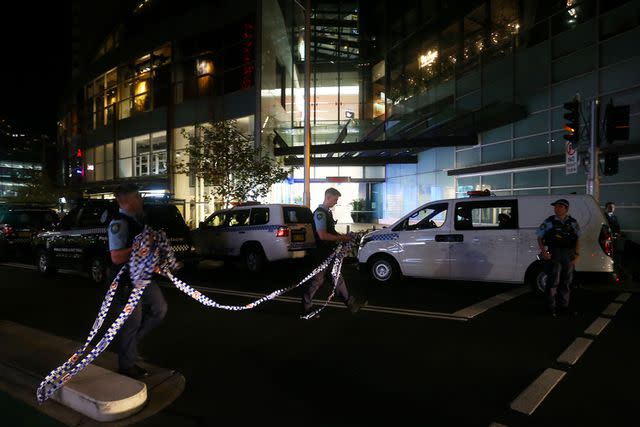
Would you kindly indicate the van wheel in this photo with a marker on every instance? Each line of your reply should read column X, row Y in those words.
column 44, row 263
column 384, row 269
column 253, row 258
column 536, row 278
column 97, row 270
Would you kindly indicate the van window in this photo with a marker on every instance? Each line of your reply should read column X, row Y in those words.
column 486, row 215
column 297, row 215
column 217, row 220
column 239, row 218
column 259, row 216
column 432, row 216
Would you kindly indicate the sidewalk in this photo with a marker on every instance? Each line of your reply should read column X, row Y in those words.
column 27, row 355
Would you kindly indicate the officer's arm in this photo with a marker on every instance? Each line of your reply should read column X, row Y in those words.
column 324, row 235
column 120, row 256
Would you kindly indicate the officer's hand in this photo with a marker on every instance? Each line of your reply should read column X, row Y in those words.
column 575, row 258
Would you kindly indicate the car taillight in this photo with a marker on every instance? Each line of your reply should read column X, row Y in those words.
column 6, row 229
column 606, row 242
column 282, row 232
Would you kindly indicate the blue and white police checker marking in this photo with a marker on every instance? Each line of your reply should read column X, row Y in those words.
column 386, row 236
column 152, row 253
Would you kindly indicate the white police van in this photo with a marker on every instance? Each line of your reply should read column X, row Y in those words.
column 482, row 238
column 256, row 234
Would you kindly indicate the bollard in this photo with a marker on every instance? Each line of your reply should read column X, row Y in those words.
column 348, row 228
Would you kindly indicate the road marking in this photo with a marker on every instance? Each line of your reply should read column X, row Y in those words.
column 529, row 400
column 577, row 348
column 497, row 425
column 482, row 306
column 373, row 308
column 33, row 267
column 612, row 309
column 624, row 297
column 597, row 326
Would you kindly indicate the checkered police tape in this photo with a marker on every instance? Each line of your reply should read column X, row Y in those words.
column 152, row 253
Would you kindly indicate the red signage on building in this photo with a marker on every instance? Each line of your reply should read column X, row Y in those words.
column 248, row 67
column 338, row 179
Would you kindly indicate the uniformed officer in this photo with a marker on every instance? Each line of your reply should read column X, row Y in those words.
column 126, row 224
column 559, row 242
column 326, row 239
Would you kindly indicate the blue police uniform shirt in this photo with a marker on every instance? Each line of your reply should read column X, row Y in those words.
column 320, row 218
column 548, row 225
column 118, row 231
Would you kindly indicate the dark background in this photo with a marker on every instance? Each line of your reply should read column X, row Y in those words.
column 36, row 63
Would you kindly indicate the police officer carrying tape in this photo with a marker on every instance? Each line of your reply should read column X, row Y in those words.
column 559, row 242
column 126, row 225
column 326, row 239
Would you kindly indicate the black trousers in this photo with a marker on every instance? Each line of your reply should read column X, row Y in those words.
column 559, row 272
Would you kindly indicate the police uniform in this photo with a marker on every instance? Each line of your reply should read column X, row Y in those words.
column 323, row 220
column 561, row 237
column 122, row 230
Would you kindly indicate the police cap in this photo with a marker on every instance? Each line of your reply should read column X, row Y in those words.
column 563, row 202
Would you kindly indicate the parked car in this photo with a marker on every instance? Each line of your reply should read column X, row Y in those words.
column 80, row 242
column 19, row 224
column 256, row 234
column 489, row 239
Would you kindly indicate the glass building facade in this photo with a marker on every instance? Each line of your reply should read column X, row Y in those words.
column 405, row 80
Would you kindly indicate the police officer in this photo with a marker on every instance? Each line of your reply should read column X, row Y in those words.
column 126, row 224
column 559, row 242
column 326, row 239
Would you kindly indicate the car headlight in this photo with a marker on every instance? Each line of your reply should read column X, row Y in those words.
column 365, row 240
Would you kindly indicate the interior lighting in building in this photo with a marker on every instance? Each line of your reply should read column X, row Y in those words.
column 90, row 167
column 204, row 66
column 141, row 87
column 427, row 59
column 301, row 48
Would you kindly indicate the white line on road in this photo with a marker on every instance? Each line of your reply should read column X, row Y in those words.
column 529, row 400
column 624, row 297
column 612, row 309
column 577, row 348
column 597, row 326
column 482, row 306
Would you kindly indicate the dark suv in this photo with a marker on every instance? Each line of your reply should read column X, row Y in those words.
column 80, row 242
column 18, row 226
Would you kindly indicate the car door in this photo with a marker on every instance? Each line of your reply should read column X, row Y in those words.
column 59, row 243
column 238, row 231
column 424, row 237
column 489, row 247
column 208, row 238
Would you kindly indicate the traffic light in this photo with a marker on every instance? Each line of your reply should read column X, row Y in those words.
column 610, row 166
column 572, row 126
column 616, row 122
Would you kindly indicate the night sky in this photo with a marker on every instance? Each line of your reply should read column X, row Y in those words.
column 36, row 63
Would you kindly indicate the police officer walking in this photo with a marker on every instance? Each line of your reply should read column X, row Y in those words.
column 127, row 224
column 326, row 239
column 559, row 242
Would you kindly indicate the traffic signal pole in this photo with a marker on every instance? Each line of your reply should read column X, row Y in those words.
column 593, row 176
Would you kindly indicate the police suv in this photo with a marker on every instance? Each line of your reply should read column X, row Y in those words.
column 80, row 241
column 256, row 234
column 482, row 238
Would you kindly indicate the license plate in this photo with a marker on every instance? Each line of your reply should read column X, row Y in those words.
column 299, row 237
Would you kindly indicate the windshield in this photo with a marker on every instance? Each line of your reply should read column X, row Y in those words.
column 166, row 217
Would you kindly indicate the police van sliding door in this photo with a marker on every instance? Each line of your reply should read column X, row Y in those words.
column 488, row 248
column 424, row 238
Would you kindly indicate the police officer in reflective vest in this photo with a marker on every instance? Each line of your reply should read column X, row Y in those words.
column 559, row 242
column 326, row 239
column 152, row 308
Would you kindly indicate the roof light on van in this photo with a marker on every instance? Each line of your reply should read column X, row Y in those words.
column 478, row 193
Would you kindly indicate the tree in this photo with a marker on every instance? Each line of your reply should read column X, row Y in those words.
column 39, row 189
column 229, row 162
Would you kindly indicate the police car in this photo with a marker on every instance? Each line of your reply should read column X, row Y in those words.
column 19, row 224
column 482, row 238
column 80, row 240
column 256, row 234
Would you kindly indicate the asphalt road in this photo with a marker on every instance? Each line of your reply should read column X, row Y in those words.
column 421, row 353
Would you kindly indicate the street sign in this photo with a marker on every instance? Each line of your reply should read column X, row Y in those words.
column 571, row 159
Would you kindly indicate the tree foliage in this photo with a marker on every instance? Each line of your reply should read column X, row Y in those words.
column 229, row 163
column 39, row 189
